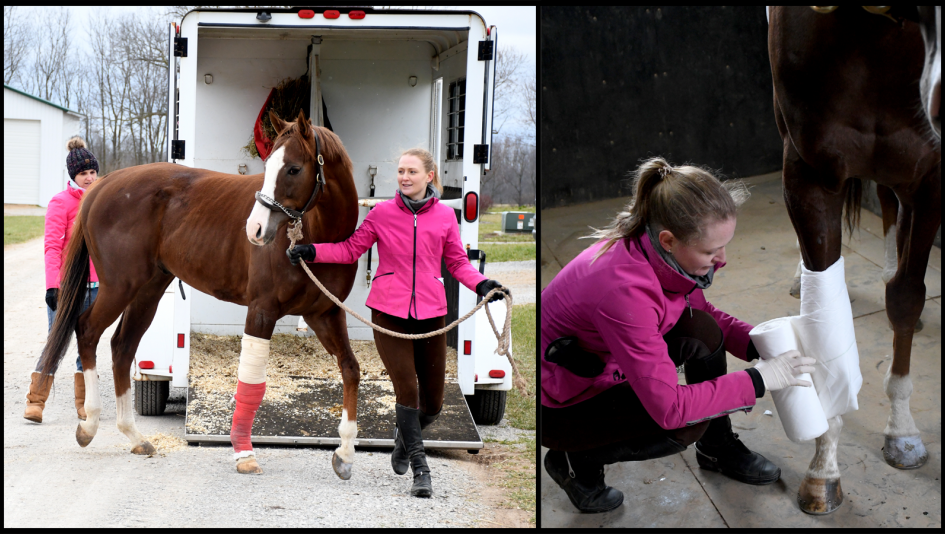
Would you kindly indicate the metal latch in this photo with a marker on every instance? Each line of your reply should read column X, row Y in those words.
column 485, row 50
column 180, row 47
column 480, row 153
column 177, row 149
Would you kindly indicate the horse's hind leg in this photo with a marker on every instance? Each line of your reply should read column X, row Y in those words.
column 101, row 314
column 332, row 331
column 889, row 205
column 135, row 321
column 919, row 218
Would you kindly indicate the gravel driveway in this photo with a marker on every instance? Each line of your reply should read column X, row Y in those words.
column 49, row 481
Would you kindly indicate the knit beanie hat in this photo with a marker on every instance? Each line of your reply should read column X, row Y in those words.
column 79, row 158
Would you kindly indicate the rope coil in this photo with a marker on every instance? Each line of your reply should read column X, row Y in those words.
column 295, row 234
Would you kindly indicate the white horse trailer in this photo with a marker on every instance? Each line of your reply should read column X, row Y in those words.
column 390, row 79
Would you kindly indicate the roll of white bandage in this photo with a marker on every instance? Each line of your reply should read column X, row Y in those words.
column 825, row 332
column 253, row 357
column 798, row 407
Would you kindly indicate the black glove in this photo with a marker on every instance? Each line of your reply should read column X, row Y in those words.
column 306, row 252
column 484, row 287
column 52, row 297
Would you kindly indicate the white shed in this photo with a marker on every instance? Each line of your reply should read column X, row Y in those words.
column 35, row 132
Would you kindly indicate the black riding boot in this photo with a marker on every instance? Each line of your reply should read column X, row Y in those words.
column 583, row 484
column 408, row 423
column 719, row 449
column 399, row 459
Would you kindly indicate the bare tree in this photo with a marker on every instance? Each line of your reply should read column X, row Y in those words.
column 508, row 63
column 528, row 93
column 17, row 41
column 52, row 53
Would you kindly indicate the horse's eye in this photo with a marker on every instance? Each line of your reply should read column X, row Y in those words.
column 294, row 170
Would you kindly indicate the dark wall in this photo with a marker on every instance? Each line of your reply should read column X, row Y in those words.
column 620, row 84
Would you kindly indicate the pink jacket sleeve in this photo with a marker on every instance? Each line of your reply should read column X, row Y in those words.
column 632, row 335
column 457, row 262
column 349, row 250
column 734, row 330
column 53, row 240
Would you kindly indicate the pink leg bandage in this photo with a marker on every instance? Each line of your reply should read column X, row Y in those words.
column 248, row 398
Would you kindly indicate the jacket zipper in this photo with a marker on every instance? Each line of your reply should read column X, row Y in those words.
column 690, row 305
column 413, row 288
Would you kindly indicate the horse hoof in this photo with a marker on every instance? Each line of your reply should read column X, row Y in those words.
column 144, row 448
column 796, row 288
column 342, row 469
column 83, row 437
column 248, row 466
column 818, row 496
column 905, row 452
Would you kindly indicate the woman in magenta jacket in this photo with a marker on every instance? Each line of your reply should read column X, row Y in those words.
column 60, row 215
column 413, row 232
column 620, row 318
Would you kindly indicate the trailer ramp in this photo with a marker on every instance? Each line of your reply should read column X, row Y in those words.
column 312, row 417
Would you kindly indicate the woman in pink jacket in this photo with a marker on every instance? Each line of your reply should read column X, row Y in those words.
column 413, row 232
column 618, row 321
column 60, row 215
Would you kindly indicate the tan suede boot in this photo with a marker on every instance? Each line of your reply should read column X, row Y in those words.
column 80, row 395
column 36, row 398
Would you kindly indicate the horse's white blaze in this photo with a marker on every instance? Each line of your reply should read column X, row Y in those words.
column 126, row 418
column 259, row 217
column 93, row 403
column 824, row 464
column 891, row 262
column 348, row 430
column 899, row 389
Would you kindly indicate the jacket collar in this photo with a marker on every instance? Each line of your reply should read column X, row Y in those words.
column 75, row 190
column 401, row 205
column 670, row 279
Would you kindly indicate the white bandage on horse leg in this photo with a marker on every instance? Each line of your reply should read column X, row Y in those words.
column 347, row 430
column 253, row 357
column 899, row 389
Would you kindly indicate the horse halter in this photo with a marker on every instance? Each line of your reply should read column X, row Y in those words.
column 319, row 185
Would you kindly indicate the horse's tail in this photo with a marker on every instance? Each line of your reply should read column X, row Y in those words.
column 71, row 292
column 853, row 193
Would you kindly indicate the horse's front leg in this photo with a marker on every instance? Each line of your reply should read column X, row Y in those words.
column 332, row 331
column 919, row 217
column 251, row 385
column 820, row 491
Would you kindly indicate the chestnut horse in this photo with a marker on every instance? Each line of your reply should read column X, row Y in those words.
column 147, row 224
column 848, row 105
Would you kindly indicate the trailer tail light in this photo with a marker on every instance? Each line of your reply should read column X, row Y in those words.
column 471, row 207
column 477, row 378
column 467, row 347
column 146, row 365
column 170, row 369
column 356, row 14
column 332, row 14
column 306, row 14
column 497, row 373
column 180, row 341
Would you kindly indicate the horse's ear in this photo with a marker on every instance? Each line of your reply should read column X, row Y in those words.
column 277, row 123
column 305, row 126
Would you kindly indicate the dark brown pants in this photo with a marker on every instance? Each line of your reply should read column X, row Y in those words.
column 617, row 415
column 417, row 367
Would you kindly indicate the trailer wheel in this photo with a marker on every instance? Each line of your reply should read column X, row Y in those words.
column 151, row 397
column 487, row 406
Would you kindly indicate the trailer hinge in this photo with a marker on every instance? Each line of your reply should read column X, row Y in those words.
column 177, row 149
column 180, row 47
column 485, row 50
column 480, row 153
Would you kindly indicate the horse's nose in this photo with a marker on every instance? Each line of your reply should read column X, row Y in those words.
column 258, row 232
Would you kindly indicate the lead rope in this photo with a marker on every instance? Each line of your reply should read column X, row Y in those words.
column 295, row 234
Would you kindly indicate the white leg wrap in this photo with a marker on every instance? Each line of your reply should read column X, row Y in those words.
column 126, row 418
column 891, row 262
column 253, row 357
column 348, row 430
column 93, row 403
column 243, row 454
column 899, row 389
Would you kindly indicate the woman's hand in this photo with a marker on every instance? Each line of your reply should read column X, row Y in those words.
column 781, row 372
column 305, row 252
column 52, row 297
column 486, row 286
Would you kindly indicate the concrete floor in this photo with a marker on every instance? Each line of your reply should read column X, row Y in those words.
column 675, row 492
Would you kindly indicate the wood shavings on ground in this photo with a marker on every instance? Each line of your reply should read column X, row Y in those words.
column 166, row 443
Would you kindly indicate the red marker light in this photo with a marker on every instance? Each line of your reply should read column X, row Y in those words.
column 356, row 15
column 332, row 14
column 471, row 205
column 306, row 14
column 180, row 341
column 497, row 373
column 170, row 369
column 467, row 347
column 146, row 365
column 477, row 378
